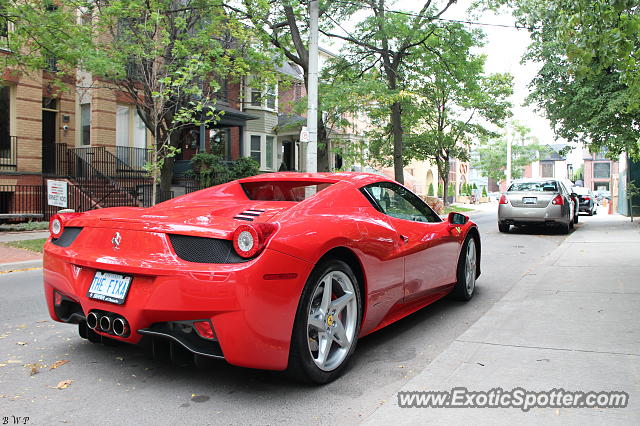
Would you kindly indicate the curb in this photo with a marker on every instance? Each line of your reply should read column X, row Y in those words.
column 6, row 268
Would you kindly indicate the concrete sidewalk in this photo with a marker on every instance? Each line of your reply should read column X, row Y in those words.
column 572, row 323
column 12, row 259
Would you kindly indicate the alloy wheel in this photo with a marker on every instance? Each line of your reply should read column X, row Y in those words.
column 470, row 267
column 332, row 320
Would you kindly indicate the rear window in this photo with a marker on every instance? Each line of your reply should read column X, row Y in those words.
column 549, row 185
column 283, row 190
column 580, row 190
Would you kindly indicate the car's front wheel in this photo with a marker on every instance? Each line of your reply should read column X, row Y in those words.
column 327, row 323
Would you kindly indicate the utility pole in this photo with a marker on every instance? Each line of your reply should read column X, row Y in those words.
column 312, row 90
column 508, row 171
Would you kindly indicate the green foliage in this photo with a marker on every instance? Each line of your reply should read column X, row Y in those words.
column 484, row 191
column 474, row 186
column 210, row 169
column 430, row 190
column 492, row 153
column 589, row 84
column 168, row 56
column 26, row 226
column 440, row 190
column 451, row 191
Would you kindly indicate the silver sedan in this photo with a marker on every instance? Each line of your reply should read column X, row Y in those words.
column 536, row 201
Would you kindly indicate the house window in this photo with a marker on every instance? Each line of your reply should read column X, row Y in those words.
column 601, row 170
column 5, row 119
column 85, row 124
column 269, row 153
column 256, row 97
column 271, row 96
column 546, row 170
column 264, row 98
column 297, row 91
column 256, row 153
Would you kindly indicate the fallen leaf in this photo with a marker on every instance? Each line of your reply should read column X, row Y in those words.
column 59, row 363
column 35, row 368
column 22, row 343
column 63, row 384
column 42, row 321
column 14, row 361
column 119, row 358
column 3, row 365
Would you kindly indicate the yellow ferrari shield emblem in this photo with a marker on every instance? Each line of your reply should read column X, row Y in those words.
column 330, row 320
column 458, row 229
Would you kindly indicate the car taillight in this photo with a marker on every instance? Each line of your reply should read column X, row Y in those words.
column 56, row 228
column 587, row 199
column 249, row 240
column 205, row 329
column 558, row 201
column 504, row 199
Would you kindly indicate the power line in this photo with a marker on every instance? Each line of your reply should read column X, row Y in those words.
column 418, row 15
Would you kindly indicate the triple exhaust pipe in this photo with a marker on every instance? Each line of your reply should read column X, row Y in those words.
column 108, row 324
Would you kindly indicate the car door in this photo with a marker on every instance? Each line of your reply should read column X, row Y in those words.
column 423, row 239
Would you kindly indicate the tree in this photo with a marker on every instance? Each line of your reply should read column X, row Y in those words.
column 430, row 190
column 492, row 153
column 484, row 191
column 588, row 85
column 166, row 56
column 454, row 100
column 384, row 42
column 284, row 24
column 440, row 190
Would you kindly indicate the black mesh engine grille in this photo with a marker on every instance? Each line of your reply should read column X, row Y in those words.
column 68, row 236
column 204, row 250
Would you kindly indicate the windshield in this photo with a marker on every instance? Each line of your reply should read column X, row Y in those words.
column 539, row 186
column 283, row 190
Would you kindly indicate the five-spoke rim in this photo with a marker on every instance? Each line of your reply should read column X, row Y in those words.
column 332, row 320
column 470, row 267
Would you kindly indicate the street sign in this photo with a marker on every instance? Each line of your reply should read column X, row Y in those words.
column 304, row 134
column 57, row 193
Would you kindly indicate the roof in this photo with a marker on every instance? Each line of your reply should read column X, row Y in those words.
column 291, row 70
column 554, row 155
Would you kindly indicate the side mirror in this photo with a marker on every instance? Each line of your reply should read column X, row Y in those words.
column 574, row 195
column 457, row 218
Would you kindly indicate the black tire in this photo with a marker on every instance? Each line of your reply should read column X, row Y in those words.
column 301, row 364
column 576, row 218
column 462, row 291
column 503, row 227
column 565, row 228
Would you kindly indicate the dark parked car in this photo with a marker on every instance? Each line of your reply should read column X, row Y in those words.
column 587, row 200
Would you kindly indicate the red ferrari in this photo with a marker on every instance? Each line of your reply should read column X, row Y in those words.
column 282, row 271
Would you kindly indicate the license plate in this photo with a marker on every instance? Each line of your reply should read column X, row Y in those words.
column 529, row 200
column 109, row 287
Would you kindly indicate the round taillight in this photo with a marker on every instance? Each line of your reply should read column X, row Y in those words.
column 55, row 227
column 504, row 199
column 246, row 241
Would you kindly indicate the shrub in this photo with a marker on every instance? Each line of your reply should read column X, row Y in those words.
column 440, row 190
column 430, row 190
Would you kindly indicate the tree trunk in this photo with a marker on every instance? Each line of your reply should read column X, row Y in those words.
column 443, row 171
column 396, row 129
column 166, row 172
column 323, row 147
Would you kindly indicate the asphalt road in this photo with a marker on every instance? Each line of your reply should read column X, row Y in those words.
column 119, row 385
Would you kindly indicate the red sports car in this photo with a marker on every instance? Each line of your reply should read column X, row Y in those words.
column 282, row 271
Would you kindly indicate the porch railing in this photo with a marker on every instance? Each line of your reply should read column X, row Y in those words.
column 9, row 152
column 131, row 158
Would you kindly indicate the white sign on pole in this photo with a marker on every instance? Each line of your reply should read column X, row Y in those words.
column 57, row 193
column 304, row 134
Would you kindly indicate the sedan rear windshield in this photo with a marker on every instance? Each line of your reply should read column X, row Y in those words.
column 548, row 185
column 283, row 190
column 580, row 190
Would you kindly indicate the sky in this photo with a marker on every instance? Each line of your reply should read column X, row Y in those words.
column 504, row 49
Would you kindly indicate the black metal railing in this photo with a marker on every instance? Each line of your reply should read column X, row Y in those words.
column 132, row 159
column 21, row 202
column 9, row 152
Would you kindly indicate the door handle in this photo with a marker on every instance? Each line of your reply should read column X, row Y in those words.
column 404, row 238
